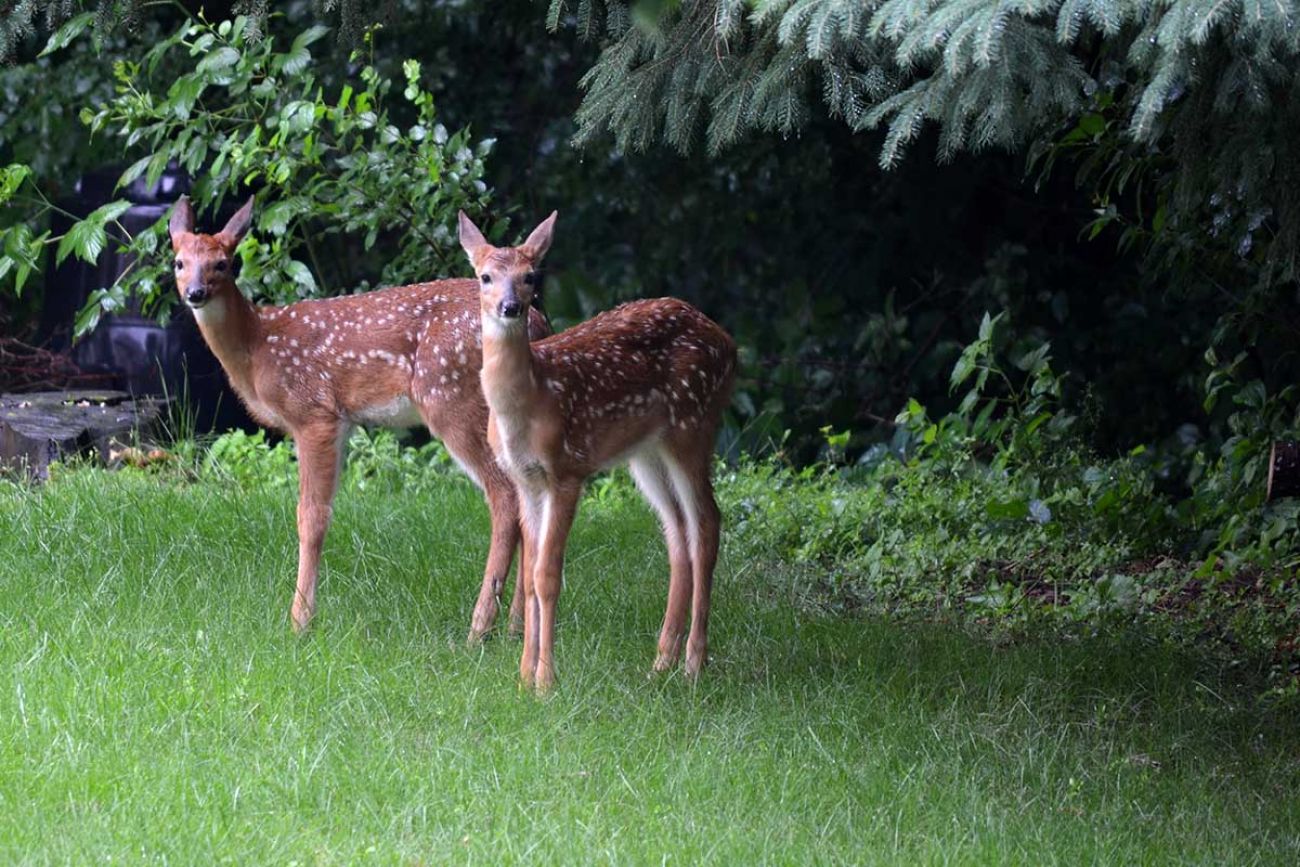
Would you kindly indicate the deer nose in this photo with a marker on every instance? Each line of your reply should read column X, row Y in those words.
column 510, row 308
column 196, row 295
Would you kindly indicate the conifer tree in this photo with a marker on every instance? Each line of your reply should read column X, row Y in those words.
column 1205, row 96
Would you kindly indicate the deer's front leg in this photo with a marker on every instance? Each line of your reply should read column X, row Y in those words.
column 527, row 557
column 557, row 518
column 320, row 453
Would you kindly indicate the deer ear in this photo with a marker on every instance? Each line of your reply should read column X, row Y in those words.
column 237, row 227
column 471, row 239
column 182, row 219
column 540, row 240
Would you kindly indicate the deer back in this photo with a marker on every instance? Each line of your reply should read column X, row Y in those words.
column 641, row 370
column 389, row 357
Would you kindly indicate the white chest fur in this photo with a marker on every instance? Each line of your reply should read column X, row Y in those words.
column 514, row 452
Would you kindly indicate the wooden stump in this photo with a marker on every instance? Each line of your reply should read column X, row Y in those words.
column 38, row 428
column 1283, row 470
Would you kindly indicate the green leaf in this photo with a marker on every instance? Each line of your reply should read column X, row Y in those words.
column 275, row 219
column 68, row 32
column 21, row 252
column 1034, row 360
column 87, row 318
column 312, row 34
column 298, row 116
column 301, row 275
column 86, row 239
column 293, row 62
column 183, row 93
column 964, row 367
column 219, row 61
column 1007, row 509
column 134, row 171
column 1037, row 422
column 110, row 212
column 157, row 165
column 1092, row 124
column 1251, row 395
column 20, row 278
column 11, row 178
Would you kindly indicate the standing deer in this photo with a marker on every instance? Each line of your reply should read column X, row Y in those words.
column 644, row 384
column 397, row 357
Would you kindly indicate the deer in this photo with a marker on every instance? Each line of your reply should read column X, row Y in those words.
column 645, row 384
column 396, row 357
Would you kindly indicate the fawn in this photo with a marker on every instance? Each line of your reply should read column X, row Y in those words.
column 644, row 384
column 396, row 357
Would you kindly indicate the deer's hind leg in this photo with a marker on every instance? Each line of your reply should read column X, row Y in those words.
column 503, row 504
column 689, row 468
column 650, row 473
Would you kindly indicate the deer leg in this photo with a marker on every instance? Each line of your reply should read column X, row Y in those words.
column 530, row 525
column 516, row 627
column 320, row 454
column 694, row 492
column 558, row 509
column 473, row 454
column 651, row 476
column 503, row 504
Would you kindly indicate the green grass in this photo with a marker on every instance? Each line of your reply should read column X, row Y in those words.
column 155, row 707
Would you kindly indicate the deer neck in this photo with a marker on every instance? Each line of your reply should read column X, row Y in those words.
column 229, row 324
column 510, row 383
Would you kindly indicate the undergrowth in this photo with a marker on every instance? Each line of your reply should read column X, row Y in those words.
column 998, row 514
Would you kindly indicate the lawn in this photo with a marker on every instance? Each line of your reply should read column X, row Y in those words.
column 154, row 706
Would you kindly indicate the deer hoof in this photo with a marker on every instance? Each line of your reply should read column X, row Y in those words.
column 300, row 617
column 664, row 662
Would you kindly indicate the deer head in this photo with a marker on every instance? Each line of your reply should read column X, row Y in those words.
column 203, row 264
column 507, row 275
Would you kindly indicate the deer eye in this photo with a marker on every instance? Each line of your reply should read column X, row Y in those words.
column 530, row 278
column 219, row 266
column 486, row 278
column 178, row 264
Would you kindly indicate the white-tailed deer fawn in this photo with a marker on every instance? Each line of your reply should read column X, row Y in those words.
column 645, row 384
column 397, row 357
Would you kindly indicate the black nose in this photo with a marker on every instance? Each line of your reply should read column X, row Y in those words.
column 196, row 296
column 510, row 309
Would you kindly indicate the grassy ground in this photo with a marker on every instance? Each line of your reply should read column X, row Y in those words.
column 154, row 707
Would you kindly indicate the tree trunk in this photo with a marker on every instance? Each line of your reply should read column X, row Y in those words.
column 41, row 427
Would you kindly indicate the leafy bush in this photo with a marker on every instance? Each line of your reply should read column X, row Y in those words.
column 375, row 459
column 347, row 194
column 999, row 513
column 250, row 461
